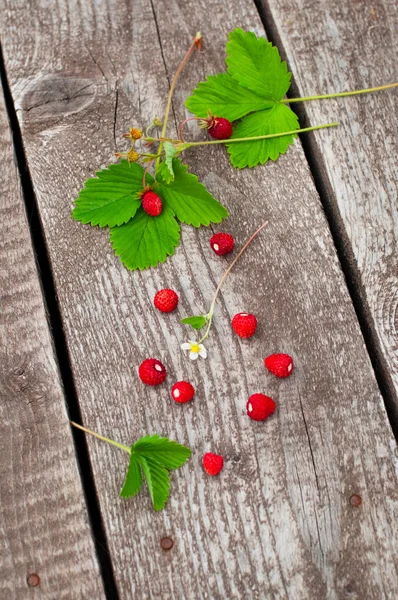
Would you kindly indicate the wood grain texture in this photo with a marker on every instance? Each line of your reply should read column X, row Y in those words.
column 278, row 522
column 346, row 46
column 44, row 530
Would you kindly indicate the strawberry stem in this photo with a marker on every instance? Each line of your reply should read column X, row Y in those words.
column 260, row 137
column 195, row 44
column 209, row 315
column 186, row 121
column 340, row 94
column 101, row 437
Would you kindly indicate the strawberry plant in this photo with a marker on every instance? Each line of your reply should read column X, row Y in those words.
column 151, row 457
column 244, row 109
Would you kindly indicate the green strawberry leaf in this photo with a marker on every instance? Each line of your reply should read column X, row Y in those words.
column 275, row 120
column 164, row 451
column 170, row 153
column 133, row 481
column 195, row 322
column 158, row 480
column 222, row 96
column 110, row 198
column 164, row 172
column 256, row 64
column 189, row 199
column 153, row 456
column 146, row 241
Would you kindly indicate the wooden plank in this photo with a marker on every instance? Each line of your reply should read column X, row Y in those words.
column 46, row 546
column 350, row 46
column 278, row 522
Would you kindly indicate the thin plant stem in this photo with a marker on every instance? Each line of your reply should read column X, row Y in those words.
column 145, row 172
column 340, row 94
column 223, row 278
column 261, row 137
column 101, row 437
column 186, row 121
column 195, row 43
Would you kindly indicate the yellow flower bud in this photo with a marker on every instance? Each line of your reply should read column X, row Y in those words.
column 135, row 133
column 132, row 156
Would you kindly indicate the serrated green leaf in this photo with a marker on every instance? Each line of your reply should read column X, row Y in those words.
column 166, row 452
column 224, row 97
column 170, row 152
column 146, row 241
column 195, row 322
column 164, row 173
column 133, row 481
column 257, row 65
column 110, row 198
column 189, row 199
column 158, row 480
column 274, row 120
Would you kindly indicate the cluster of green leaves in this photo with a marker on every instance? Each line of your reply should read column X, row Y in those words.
column 250, row 92
column 152, row 457
column 112, row 199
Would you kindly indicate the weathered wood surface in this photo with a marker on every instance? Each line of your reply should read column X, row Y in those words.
column 44, row 530
column 338, row 46
column 278, row 522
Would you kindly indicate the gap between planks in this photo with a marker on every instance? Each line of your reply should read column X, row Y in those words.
column 338, row 233
column 44, row 273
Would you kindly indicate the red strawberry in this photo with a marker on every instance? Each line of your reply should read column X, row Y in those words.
column 222, row 243
column 280, row 365
column 212, row 463
column 182, row 392
column 152, row 372
column 151, row 203
column 220, row 128
column 244, row 324
column 166, row 300
column 260, row 407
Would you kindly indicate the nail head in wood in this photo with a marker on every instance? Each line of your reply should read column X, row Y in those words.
column 33, row 580
column 355, row 500
column 166, row 543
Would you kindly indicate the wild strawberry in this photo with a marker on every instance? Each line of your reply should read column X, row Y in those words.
column 220, row 128
column 212, row 463
column 260, row 407
column 166, row 300
column 222, row 243
column 151, row 203
column 152, row 372
column 280, row 365
column 244, row 324
column 182, row 392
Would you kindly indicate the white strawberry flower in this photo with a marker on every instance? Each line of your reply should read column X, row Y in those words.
column 195, row 349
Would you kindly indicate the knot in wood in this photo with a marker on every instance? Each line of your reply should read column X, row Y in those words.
column 55, row 97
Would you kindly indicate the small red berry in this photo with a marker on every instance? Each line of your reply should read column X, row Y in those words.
column 220, row 128
column 151, row 203
column 260, row 407
column 182, row 392
column 222, row 243
column 212, row 463
column 166, row 300
column 244, row 324
column 152, row 372
column 280, row 365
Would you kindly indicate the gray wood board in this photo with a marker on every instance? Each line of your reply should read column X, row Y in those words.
column 278, row 521
column 44, row 532
column 347, row 46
